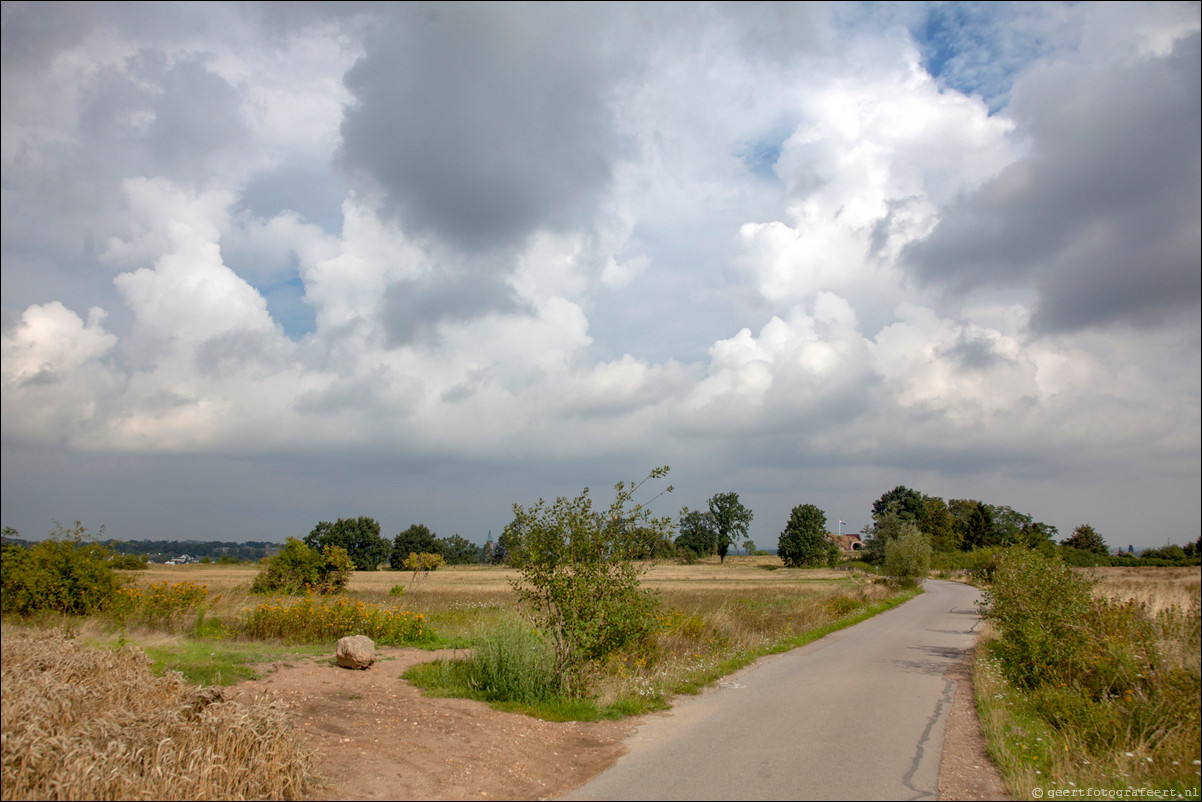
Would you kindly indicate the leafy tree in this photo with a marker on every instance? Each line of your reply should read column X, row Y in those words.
column 980, row 531
column 908, row 557
column 417, row 539
column 579, row 583
column 803, row 542
column 908, row 503
column 731, row 520
column 422, row 563
column 886, row 527
column 939, row 524
column 358, row 537
column 298, row 569
column 487, row 553
column 1086, row 538
column 457, row 550
column 698, row 532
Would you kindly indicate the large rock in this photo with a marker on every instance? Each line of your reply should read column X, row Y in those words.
column 356, row 651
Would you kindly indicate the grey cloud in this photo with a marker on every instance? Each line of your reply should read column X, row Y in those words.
column 479, row 124
column 413, row 309
column 974, row 353
column 1102, row 216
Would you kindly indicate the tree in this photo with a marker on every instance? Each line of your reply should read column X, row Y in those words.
column 458, row 550
column 803, row 542
column 980, row 531
column 698, row 533
column 907, row 502
column 731, row 520
column 908, row 557
column 417, row 539
column 359, row 537
column 298, row 569
column 938, row 523
column 1086, row 538
column 579, row 583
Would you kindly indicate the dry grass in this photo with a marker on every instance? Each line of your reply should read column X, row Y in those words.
column 87, row 723
column 1155, row 588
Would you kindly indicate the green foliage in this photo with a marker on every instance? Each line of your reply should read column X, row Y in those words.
column 906, row 502
column 803, row 542
column 66, row 573
column 698, row 534
column 579, row 582
column 299, row 569
column 457, row 550
column 512, row 664
column 417, row 539
column 908, row 557
column 731, row 520
column 358, row 537
column 129, row 562
column 1086, row 538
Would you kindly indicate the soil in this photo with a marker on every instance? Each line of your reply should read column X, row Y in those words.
column 375, row 736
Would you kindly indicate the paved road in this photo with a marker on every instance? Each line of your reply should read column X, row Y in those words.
column 859, row 714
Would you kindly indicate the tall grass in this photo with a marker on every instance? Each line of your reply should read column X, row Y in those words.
column 86, row 723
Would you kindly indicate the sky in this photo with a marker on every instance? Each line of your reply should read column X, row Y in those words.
column 266, row 265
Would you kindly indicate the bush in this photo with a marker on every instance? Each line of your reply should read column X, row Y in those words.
column 513, row 665
column 64, row 574
column 298, row 569
column 803, row 542
column 579, row 581
column 908, row 558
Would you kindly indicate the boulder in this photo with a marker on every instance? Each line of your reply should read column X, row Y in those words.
column 356, row 651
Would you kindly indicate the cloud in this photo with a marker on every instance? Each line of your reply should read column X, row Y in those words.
column 1102, row 223
column 482, row 124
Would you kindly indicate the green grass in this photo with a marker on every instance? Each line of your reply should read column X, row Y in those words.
column 207, row 662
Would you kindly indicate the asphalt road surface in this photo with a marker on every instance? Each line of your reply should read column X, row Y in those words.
column 859, row 714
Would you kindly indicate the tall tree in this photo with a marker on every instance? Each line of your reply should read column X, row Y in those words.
column 698, row 532
column 938, row 523
column 360, row 537
column 907, row 502
column 1086, row 538
column 731, row 520
column 417, row 539
column 803, row 541
column 458, row 550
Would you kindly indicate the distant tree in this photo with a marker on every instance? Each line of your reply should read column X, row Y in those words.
column 299, row 569
column 359, row 537
column 907, row 503
column 697, row 532
column 885, row 527
column 908, row 557
column 980, row 531
column 457, row 550
column 1086, row 538
column 749, row 546
column 803, row 542
column 731, row 520
column 1191, row 550
column 486, row 552
column 939, row 524
column 417, row 539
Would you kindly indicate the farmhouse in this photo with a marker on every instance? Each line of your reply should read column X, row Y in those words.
column 846, row 543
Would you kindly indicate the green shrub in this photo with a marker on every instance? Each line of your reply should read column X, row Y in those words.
column 298, row 569
column 908, row 558
column 64, row 574
column 579, row 582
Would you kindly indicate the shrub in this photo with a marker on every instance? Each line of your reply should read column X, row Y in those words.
column 513, row 665
column 579, row 581
column 419, row 563
column 299, row 569
column 64, row 574
column 908, row 558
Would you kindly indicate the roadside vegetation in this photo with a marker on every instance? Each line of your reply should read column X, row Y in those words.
column 1088, row 681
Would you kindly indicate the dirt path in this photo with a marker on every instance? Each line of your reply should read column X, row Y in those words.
column 376, row 737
